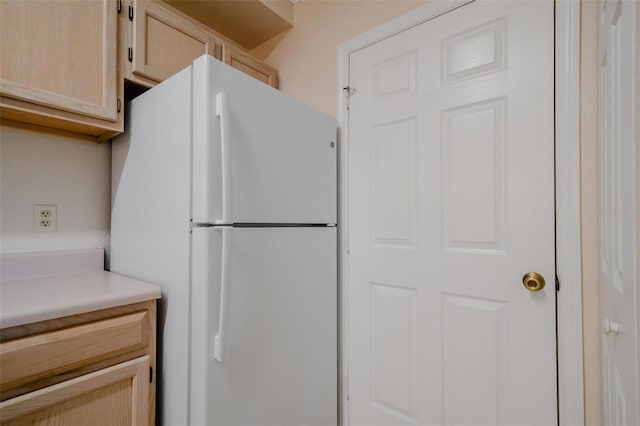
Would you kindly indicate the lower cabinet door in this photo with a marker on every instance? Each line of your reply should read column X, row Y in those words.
column 117, row 395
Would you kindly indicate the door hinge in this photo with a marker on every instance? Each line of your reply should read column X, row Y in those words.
column 118, row 105
column 348, row 91
column 150, row 374
column 130, row 54
column 346, row 388
column 130, row 13
column 557, row 283
column 119, row 6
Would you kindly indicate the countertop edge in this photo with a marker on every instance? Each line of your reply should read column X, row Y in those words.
column 111, row 290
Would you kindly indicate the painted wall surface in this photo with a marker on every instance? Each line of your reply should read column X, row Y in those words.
column 44, row 168
column 590, row 215
column 306, row 56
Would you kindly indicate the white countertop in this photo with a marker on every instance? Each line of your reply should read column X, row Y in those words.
column 25, row 300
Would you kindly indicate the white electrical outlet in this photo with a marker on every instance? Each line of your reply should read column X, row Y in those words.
column 44, row 218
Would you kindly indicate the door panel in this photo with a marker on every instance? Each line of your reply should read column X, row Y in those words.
column 618, row 177
column 473, row 145
column 279, row 365
column 451, row 147
column 281, row 152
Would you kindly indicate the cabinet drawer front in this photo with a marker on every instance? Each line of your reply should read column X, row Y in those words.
column 114, row 395
column 44, row 355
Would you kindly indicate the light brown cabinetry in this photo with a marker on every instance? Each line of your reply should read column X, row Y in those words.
column 93, row 368
column 242, row 61
column 115, row 395
column 59, row 65
column 64, row 62
column 163, row 42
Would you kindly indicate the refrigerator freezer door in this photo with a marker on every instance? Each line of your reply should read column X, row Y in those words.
column 259, row 156
column 279, row 360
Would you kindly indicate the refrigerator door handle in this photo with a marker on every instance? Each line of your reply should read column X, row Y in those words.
column 221, row 336
column 222, row 111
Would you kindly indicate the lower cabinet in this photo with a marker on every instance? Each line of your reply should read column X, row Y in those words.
column 95, row 368
column 116, row 395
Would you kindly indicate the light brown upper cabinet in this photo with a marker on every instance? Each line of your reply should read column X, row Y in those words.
column 59, row 65
column 161, row 40
column 244, row 62
column 164, row 42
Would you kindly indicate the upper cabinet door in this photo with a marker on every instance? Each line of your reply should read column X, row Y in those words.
column 164, row 42
column 244, row 62
column 60, row 54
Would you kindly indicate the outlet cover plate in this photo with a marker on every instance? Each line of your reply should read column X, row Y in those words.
column 45, row 218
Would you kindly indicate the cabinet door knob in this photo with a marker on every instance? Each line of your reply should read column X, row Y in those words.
column 609, row 326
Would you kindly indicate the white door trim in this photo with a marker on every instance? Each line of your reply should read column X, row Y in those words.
column 568, row 250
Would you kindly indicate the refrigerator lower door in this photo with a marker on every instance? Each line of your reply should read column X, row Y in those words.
column 271, row 357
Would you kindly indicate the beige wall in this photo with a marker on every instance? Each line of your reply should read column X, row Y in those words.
column 44, row 168
column 306, row 58
column 589, row 210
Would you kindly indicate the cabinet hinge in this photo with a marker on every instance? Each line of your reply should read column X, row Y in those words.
column 130, row 54
column 150, row 374
column 118, row 105
column 557, row 283
column 119, row 6
column 130, row 13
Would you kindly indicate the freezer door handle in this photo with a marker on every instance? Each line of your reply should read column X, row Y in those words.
column 221, row 336
column 222, row 111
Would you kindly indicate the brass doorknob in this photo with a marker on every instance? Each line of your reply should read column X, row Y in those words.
column 533, row 281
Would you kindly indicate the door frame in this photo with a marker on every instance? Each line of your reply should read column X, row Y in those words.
column 567, row 186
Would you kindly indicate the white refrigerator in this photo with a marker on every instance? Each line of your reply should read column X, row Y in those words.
column 224, row 194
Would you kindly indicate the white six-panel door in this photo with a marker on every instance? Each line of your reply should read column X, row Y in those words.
column 451, row 202
column 618, row 174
